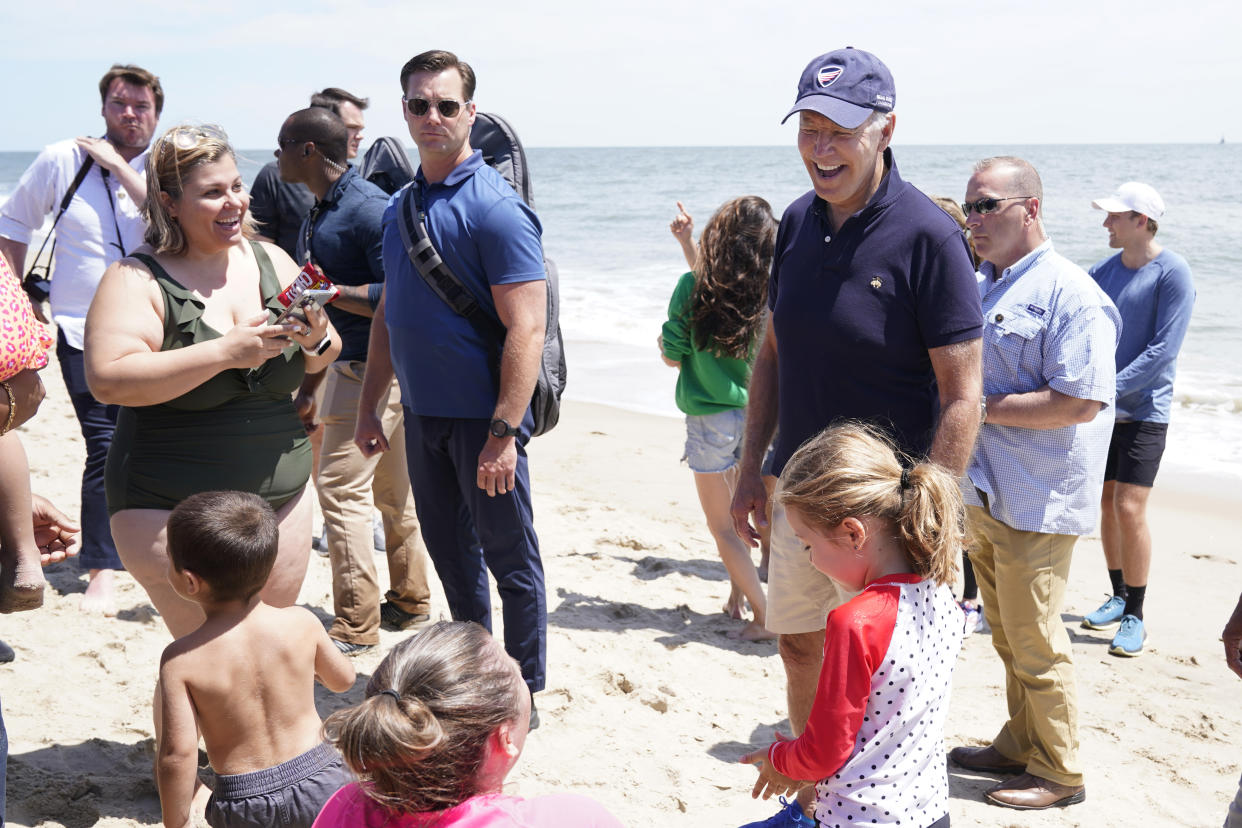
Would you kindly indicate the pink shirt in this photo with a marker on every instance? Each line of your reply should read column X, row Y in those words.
column 350, row 807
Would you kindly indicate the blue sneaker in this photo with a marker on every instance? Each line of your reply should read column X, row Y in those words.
column 789, row 816
column 1107, row 616
column 1130, row 638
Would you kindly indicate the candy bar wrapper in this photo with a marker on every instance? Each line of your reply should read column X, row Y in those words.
column 311, row 278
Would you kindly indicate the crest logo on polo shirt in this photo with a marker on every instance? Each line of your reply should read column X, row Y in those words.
column 828, row 75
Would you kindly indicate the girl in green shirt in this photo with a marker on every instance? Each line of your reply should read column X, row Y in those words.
column 715, row 318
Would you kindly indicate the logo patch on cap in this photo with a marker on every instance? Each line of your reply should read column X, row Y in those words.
column 828, row 75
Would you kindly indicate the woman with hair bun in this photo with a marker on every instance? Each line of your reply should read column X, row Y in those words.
column 889, row 529
column 444, row 721
column 181, row 335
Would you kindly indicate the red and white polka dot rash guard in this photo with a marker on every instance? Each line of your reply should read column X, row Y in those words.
column 875, row 737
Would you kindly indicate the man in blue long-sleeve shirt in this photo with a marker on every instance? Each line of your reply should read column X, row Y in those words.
column 1153, row 291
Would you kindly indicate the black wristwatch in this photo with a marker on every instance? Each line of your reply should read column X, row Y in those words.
column 501, row 428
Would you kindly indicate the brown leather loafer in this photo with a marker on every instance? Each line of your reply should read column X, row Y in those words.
column 1029, row 792
column 985, row 760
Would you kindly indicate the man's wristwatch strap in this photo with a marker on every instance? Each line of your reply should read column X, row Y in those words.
column 500, row 427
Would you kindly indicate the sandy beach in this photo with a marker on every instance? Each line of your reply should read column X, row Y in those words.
column 649, row 704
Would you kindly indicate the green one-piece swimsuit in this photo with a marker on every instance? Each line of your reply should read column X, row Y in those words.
column 237, row 431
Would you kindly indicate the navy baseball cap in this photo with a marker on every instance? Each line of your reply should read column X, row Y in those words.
column 845, row 86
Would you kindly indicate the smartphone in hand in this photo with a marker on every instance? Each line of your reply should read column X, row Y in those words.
column 307, row 296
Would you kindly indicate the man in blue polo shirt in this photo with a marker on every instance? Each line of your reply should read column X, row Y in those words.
column 342, row 235
column 466, row 391
column 875, row 316
column 1155, row 295
column 1033, row 485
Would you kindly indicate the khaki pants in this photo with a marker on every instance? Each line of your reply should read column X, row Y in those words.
column 799, row 595
column 1022, row 578
column 348, row 485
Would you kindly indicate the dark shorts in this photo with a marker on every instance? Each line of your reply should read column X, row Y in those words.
column 290, row 794
column 1134, row 453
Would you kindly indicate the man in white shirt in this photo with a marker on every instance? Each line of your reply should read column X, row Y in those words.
column 101, row 223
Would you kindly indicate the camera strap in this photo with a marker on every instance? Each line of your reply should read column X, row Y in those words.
column 31, row 274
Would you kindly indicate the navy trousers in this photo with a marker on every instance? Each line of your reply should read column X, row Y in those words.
column 98, row 421
column 468, row 533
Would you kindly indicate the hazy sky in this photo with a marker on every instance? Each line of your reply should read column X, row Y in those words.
column 647, row 72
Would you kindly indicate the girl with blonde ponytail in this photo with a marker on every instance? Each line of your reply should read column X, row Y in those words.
column 888, row 528
column 444, row 721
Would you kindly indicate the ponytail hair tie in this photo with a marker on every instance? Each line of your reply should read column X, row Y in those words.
column 905, row 478
column 391, row 692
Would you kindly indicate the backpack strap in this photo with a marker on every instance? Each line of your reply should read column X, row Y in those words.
column 427, row 261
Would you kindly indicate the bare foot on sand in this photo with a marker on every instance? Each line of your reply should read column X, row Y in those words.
column 736, row 610
column 100, row 596
column 754, row 631
column 21, row 585
column 736, row 604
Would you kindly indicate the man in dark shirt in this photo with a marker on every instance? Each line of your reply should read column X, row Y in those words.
column 874, row 316
column 342, row 235
column 279, row 206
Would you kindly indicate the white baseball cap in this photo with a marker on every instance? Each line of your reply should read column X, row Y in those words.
column 1133, row 195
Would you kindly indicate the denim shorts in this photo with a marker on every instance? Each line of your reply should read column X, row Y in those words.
column 714, row 441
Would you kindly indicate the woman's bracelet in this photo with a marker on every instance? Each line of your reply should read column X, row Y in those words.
column 320, row 349
column 8, row 423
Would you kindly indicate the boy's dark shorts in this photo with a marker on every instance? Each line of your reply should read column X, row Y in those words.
column 290, row 794
column 1134, row 453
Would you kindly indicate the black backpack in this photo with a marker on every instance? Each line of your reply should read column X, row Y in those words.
column 386, row 165
column 502, row 150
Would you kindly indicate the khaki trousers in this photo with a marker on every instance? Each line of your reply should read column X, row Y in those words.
column 799, row 595
column 348, row 485
column 1022, row 578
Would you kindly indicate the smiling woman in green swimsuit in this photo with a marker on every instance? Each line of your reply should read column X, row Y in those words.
column 181, row 335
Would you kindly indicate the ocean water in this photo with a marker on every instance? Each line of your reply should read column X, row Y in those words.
column 605, row 214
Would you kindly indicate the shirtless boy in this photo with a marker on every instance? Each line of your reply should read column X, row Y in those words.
column 245, row 678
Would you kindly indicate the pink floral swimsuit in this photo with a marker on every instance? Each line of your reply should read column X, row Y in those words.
column 23, row 340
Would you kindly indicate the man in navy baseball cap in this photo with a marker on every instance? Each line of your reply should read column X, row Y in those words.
column 845, row 86
column 875, row 317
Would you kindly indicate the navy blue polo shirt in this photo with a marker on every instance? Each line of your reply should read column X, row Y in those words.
column 487, row 236
column 855, row 312
column 344, row 233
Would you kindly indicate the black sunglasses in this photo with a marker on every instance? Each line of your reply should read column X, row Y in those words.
column 987, row 205
column 421, row 106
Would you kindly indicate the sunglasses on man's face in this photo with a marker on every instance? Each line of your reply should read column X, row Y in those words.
column 987, row 205
column 421, row 106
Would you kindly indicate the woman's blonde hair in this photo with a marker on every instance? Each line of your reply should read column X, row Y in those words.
column 173, row 157
column 854, row 470
column 422, row 750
